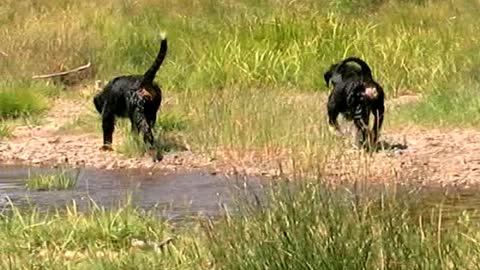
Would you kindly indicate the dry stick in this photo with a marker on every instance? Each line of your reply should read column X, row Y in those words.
column 3, row 53
column 63, row 72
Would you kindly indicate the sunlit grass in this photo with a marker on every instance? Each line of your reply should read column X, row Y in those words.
column 5, row 129
column 111, row 239
column 445, row 107
column 59, row 180
column 17, row 102
column 245, row 44
column 242, row 76
column 309, row 226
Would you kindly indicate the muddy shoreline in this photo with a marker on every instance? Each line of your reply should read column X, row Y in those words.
column 432, row 157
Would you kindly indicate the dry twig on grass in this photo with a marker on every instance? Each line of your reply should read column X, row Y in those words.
column 63, row 72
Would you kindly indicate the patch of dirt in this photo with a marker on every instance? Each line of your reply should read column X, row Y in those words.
column 431, row 156
column 43, row 145
column 418, row 157
column 439, row 157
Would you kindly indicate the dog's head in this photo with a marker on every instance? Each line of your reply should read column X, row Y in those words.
column 329, row 73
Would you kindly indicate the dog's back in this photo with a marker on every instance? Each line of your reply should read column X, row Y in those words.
column 338, row 73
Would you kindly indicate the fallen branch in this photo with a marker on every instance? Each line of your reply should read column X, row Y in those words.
column 3, row 53
column 62, row 73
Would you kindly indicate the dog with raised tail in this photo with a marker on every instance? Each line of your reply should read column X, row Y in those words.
column 136, row 97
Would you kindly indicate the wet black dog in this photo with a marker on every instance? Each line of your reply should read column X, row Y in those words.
column 356, row 95
column 137, row 97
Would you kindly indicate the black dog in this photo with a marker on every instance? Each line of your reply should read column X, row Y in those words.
column 355, row 95
column 137, row 97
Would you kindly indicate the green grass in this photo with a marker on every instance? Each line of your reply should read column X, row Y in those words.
column 134, row 146
column 18, row 100
column 445, row 108
column 119, row 239
column 170, row 122
column 316, row 228
column 411, row 45
column 60, row 180
column 23, row 102
column 309, row 226
column 166, row 133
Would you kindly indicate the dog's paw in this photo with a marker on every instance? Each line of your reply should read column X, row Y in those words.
column 155, row 155
column 106, row 147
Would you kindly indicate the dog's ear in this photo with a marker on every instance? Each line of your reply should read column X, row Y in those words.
column 332, row 70
column 327, row 76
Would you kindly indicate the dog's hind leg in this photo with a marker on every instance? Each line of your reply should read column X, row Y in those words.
column 143, row 125
column 151, row 117
column 361, row 120
column 333, row 125
column 377, row 125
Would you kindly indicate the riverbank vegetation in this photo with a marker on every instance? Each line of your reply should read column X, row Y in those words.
column 305, row 225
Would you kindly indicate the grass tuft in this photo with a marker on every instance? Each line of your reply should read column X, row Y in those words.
column 134, row 146
column 5, row 129
column 85, row 123
column 60, row 180
column 20, row 102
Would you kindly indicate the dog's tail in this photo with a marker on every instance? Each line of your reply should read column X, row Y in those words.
column 366, row 71
column 149, row 75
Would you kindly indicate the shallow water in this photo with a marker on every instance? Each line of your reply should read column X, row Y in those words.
column 191, row 193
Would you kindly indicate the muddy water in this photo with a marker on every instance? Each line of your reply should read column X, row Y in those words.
column 177, row 195
column 192, row 193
